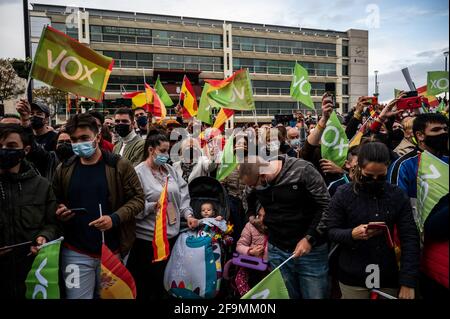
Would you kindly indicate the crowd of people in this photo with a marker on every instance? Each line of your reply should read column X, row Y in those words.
column 284, row 200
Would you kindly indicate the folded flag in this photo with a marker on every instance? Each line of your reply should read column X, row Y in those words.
column 334, row 142
column 165, row 98
column 116, row 280
column 161, row 249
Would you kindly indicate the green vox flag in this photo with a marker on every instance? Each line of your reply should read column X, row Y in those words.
column 163, row 95
column 70, row 66
column 42, row 280
column 234, row 93
column 300, row 86
column 271, row 287
column 396, row 92
column 204, row 108
column 437, row 82
column 228, row 161
column 441, row 107
column 432, row 184
column 334, row 143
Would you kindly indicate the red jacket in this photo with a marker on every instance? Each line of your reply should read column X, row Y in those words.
column 105, row 145
column 435, row 261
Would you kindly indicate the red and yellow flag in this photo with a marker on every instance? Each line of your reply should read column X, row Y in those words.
column 188, row 99
column 160, row 243
column 138, row 99
column 158, row 108
column 222, row 117
column 432, row 100
column 116, row 280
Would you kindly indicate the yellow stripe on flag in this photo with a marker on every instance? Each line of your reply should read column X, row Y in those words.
column 160, row 243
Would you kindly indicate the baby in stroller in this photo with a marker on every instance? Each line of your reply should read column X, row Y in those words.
column 194, row 269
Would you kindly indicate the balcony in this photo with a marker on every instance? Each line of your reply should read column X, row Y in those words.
column 184, row 66
column 156, row 41
column 274, row 70
column 281, row 91
column 283, row 50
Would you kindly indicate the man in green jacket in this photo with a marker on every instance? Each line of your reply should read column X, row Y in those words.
column 99, row 195
column 27, row 211
column 130, row 145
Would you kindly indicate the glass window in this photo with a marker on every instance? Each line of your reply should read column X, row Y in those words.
column 345, row 70
column 110, row 38
column 344, row 50
column 37, row 24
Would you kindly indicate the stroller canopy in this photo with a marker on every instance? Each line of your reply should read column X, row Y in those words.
column 203, row 189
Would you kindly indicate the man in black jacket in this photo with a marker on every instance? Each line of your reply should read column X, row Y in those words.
column 295, row 199
column 27, row 211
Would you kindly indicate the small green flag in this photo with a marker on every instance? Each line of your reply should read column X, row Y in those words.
column 432, row 184
column 42, row 280
column 441, row 107
column 334, row 143
column 300, row 86
column 70, row 66
column 204, row 109
column 237, row 94
column 396, row 92
column 271, row 287
column 163, row 95
column 228, row 161
column 437, row 82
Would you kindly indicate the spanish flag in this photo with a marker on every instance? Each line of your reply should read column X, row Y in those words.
column 116, row 280
column 160, row 243
column 432, row 100
column 138, row 99
column 158, row 107
column 222, row 117
column 188, row 99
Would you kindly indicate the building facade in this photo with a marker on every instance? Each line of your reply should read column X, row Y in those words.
column 150, row 45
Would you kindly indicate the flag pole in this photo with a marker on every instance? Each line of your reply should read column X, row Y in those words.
column 101, row 214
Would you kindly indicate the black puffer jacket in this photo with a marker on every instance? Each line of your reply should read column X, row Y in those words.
column 349, row 209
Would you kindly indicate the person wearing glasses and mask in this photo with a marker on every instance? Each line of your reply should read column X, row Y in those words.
column 130, row 145
column 92, row 178
column 370, row 198
column 153, row 173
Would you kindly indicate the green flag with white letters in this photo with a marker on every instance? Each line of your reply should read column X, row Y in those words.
column 300, row 86
column 334, row 142
column 437, row 82
column 204, row 108
column 42, row 280
column 70, row 66
column 271, row 287
column 432, row 184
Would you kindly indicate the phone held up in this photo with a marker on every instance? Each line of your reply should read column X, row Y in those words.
column 330, row 90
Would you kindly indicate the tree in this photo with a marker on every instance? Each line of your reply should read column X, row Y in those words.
column 51, row 96
column 10, row 84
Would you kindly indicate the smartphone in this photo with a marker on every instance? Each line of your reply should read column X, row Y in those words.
column 79, row 210
column 330, row 90
column 410, row 94
column 410, row 103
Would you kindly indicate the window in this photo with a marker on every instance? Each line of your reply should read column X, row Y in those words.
column 345, row 70
column 344, row 107
column 344, row 50
column 37, row 25
column 344, row 89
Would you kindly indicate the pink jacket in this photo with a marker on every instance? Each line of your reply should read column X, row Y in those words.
column 251, row 237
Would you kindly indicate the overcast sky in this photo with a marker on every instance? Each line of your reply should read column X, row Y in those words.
column 401, row 32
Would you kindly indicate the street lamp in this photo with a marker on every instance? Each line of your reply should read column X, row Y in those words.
column 376, row 83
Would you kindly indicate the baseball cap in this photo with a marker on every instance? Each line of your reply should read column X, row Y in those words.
column 41, row 106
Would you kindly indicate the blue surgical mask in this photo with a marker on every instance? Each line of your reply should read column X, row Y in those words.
column 161, row 159
column 84, row 149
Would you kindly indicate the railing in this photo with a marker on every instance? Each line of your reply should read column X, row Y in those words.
column 283, row 50
column 281, row 91
column 167, row 42
column 283, row 70
column 185, row 66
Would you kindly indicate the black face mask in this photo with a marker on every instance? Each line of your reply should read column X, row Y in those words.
column 373, row 186
column 397, row 135
column 383, row 138
column 122, row 129
column 438, row 143
column 142, row 121
column 37, row 122
column 64, row 151
column 10, row 157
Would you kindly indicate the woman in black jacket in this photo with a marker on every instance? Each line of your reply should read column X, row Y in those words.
column 366, row 260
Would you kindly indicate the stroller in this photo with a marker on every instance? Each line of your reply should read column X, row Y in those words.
column 195, row 267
